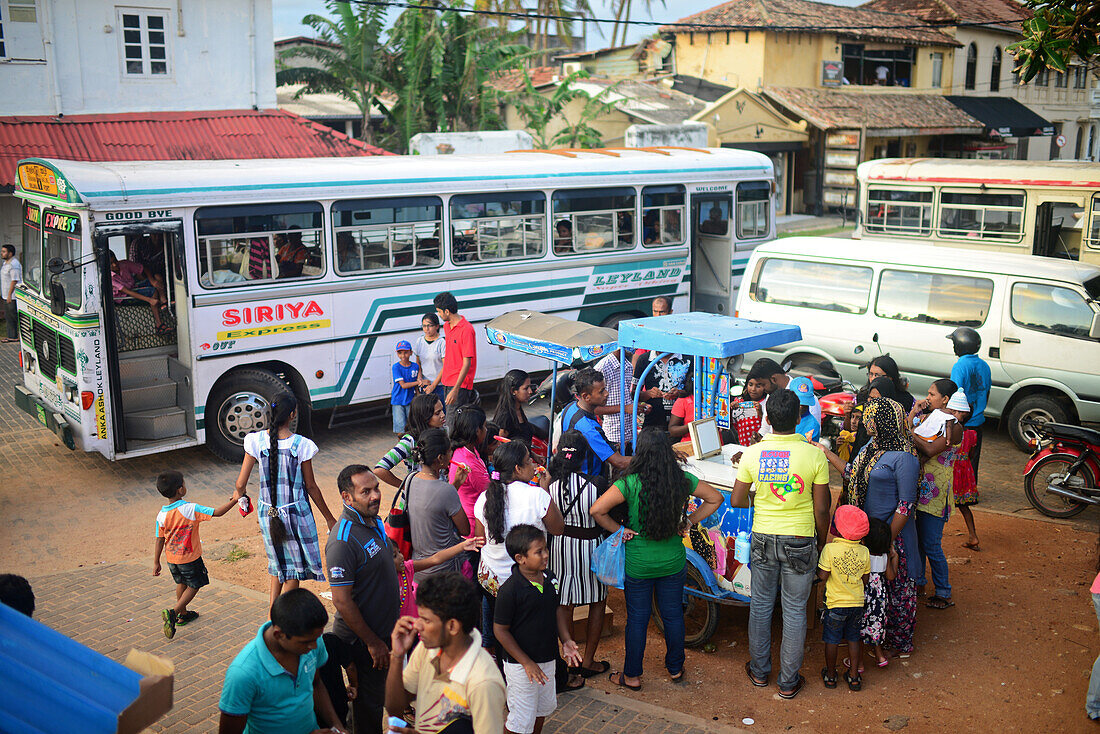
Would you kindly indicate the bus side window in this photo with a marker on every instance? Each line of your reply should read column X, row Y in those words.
column 662, row 215
column 505, row 226
column 973, row 214
column 753, row 198
column 897, row 211
column 387, row 234
column 1094, row 223
column 594, row 219
column 259, row 243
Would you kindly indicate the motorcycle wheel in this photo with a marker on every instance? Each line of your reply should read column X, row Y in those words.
column 1050, row 470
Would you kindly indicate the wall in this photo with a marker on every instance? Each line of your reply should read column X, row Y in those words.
column 212, row 62
column 794, row 59
column 688, row 135
column 735, row 59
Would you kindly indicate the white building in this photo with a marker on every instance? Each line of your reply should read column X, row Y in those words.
column 66, row 57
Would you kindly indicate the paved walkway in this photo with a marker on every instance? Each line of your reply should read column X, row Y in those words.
column 114, row 607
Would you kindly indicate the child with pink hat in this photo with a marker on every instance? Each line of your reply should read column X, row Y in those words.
column 844, row 566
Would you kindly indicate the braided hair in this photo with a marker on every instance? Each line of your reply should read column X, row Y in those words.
column 570, row 456
column 506, row 459
column 282, row 407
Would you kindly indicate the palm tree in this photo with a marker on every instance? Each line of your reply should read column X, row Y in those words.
column 350, row 59
column 622, row 19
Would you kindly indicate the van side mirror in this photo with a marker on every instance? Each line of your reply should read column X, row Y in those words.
column 1094, row 330
column 57, row 299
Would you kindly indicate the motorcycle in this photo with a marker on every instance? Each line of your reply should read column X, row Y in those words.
column 1062, row 477
column 836, row 396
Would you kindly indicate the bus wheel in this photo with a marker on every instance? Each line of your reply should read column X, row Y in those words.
column 612, row 322
column 240, row 404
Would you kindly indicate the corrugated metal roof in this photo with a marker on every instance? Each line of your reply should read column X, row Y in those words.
column 165, row 136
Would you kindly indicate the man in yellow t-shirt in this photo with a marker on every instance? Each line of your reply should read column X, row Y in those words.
column 792, row 501
column 844, row 566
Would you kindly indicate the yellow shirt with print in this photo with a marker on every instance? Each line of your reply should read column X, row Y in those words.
column 784, row 468
column 847, row 562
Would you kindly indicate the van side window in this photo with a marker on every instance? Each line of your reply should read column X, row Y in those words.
column 1050, row 309
column 488, row 227
column 259, row 243
column 894, row 211
column 752, row 209
column 387, row 234
column 662, row 215
column 972, row 214
column 1093, row 238
column 586, row 220
column 808, row 284
column 932, row 298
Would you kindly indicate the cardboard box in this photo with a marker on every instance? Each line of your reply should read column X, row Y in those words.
column 155, row 697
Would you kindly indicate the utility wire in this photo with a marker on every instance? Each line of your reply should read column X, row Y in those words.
column 515, row 15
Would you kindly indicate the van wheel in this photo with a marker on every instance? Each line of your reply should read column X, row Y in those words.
column 240, row 404
column 1041, row 408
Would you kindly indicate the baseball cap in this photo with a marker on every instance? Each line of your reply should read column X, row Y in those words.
column 851, row 522
column 958, row 401
column 403, row 345
column 804, row 389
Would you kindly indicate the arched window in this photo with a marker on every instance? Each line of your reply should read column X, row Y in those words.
column 995, row 71
column 971, row 65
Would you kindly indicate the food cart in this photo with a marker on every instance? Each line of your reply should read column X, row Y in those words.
column 718, row 345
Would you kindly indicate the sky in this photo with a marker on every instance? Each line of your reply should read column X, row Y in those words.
column 289, row 14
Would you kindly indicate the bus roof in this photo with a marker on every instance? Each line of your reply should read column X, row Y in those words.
column 179, row 183
column 896, row 252
column 964, row 171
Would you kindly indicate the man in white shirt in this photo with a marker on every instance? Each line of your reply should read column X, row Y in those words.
column 11, row 274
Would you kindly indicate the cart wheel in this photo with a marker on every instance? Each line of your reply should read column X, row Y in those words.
column 700, row 615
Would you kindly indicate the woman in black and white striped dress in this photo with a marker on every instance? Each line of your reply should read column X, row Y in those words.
column 571, row 553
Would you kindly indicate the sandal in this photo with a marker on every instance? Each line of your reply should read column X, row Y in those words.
column 621, row 682
column 854, row 684
column 755, row 681
column 794, row 691
column 679, row 677
column 847, row 664
column 829, row 681
column 972, row 546
column 576, row 686
column 164, row 330
column 938, row 602
column 601, row 667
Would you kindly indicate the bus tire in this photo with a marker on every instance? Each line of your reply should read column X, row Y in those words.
column 238, row 405
column 1043, row 407
column 612, row 322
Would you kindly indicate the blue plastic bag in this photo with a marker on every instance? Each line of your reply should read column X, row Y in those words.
column 609, row 560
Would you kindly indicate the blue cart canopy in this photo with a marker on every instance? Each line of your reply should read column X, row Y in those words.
column 704, row 334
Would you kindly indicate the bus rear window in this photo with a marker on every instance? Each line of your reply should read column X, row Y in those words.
column 808, row 284
column 978, row 215
column 489, row 227
column 590, row 220
column 387, row 234
column 893, row 211
column 31, row 254
column 259, row 243
column 932, row 298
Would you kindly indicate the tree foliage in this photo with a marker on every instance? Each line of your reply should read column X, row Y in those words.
column 539, row 111
column 1057, row 31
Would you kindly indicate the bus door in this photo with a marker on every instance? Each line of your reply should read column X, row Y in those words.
column 712, row 253
column 1059, row 222
column 146, row 328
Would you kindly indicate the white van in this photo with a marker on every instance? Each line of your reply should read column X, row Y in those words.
column 1039, row 318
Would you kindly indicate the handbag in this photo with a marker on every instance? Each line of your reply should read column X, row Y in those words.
column 398, row 528
column 609, row 560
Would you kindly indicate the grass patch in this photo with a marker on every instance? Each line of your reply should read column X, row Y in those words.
column 236, row 553
column 824, row 232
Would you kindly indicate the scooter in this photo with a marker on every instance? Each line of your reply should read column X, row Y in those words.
column 1062, row 477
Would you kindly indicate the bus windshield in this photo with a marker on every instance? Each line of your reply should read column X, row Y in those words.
column 32, row 247
column 63, row 241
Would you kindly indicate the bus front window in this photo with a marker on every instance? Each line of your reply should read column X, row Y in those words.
column 31, row 254
column 63, row 241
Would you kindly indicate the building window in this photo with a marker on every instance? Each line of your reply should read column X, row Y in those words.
column 488, row 227
column 995, row 71
column 1061, row 79
column 879, row 66
column 22, row 11
column 387, row 234
column 1042, row 79
column 937, row 70
column 144, row 42
column 2, row 51
column 971, row 66
column 1080, row 77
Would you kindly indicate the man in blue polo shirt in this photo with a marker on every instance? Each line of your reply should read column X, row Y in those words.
column 581, row 415
column 272, row 686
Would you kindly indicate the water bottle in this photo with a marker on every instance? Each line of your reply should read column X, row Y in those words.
column 742, row 548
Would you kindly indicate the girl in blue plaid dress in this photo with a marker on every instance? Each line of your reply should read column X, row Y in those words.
column 287, row 485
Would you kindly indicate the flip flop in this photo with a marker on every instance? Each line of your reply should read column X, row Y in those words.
column 938, row 602
column 794, row 691
column 621, row 682
column 602, row 667
column 847, row 664
column 755, row 681
column 969, row 546
column 576, row 687
column 679, row 677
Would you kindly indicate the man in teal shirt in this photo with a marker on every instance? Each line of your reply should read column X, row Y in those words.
column 272, row 686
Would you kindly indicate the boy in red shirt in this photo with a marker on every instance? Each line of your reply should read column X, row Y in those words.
column 178, row 529
column 459, row 356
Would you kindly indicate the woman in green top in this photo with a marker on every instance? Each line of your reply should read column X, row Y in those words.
column 655, row 490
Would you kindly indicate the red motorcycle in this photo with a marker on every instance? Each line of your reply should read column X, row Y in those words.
column 1062, row 477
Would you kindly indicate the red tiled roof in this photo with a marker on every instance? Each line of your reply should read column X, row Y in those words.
column 827, row 109
column 805, row 16
column 1008, row 12
column 512, row 81
column 167, row 136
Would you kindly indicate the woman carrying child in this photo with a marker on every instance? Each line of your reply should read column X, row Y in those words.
column 287, row 485
column 935, row 437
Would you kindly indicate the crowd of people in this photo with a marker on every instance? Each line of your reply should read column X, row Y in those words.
column 454, row 610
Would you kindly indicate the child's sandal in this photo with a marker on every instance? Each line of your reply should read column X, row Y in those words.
column 854, row 684
column 829, row 681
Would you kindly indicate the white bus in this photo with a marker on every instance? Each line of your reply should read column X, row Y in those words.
column 1047, row 208
column 304, row 273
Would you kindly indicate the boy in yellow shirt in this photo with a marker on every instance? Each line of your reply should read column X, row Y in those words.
column 844, row 566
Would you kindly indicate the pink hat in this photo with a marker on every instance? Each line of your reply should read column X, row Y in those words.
column 850, row 522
